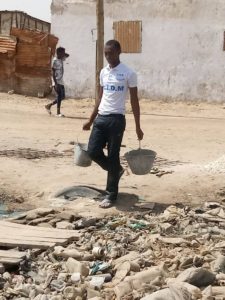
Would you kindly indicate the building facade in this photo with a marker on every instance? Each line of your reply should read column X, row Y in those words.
column 175, row 46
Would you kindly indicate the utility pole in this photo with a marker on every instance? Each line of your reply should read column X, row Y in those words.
column 99, row 44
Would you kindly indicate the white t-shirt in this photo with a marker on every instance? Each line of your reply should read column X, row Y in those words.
column 57, row 65
column 115, row 83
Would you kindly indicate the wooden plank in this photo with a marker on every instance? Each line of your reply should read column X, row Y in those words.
column 37, row 235
column 10, row 261
column 12, row 254
column 20, row 226
column 62, row 232
column 25, row 244
column 19, row 238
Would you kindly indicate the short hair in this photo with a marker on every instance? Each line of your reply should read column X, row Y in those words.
column 114, row 43
column 60, row 50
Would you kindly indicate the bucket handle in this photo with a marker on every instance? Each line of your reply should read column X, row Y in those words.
column 139, row 148
column 139, row 144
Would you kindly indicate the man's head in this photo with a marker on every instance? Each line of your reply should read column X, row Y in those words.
column 61, row 53
column 112, row 52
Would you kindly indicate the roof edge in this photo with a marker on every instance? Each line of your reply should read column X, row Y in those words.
column 24, row 13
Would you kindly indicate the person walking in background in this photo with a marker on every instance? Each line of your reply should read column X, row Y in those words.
column 57, row 74
column 108, row 118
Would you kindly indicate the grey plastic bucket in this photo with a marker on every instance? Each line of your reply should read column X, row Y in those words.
column 140, row 161
column 81, row 157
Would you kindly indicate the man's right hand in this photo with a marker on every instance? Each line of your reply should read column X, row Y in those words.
column 87, row 125
column 55, row 87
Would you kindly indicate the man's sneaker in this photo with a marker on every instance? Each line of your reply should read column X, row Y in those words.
column 47, row 107
column 60, row 116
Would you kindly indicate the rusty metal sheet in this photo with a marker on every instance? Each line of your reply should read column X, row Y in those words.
column 28, row 71
column 7, row 69
column 52, row 42
column 7, row 44
column 30, row 36
column 30, row 85
column 35, row 37
column 34, row 71
column 33, row 55
column 129, row 34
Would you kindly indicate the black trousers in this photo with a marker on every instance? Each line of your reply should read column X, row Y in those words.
column 60, row 90
column 108, row 130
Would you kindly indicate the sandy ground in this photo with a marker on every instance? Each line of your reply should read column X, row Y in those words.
column 186, row 137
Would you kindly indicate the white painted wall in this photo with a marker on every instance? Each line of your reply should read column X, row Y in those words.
column 182, row 46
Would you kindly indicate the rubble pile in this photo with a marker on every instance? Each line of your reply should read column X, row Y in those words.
column 178, row 254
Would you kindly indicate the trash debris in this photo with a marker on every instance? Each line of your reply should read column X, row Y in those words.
column 178, row 254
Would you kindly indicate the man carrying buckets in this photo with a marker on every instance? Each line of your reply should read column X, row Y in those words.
column 108, row 118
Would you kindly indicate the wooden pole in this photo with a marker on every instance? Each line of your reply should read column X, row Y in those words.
column 99, row 43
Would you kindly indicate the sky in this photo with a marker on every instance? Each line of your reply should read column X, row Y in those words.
column 36, row 8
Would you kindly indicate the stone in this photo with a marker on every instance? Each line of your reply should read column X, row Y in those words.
column 193, row 290
column 75, row 277
column 74, row 266
column 198, row 261
column 207, row 292
column 107, row 276
column 83, row 223
column 60, row 251
column 220, row 276
column 121, row 272
column 63, row 276
column 199, row 277
column 91, row 293
column 71, row 292
column 97, row 282
column 133, row 255
column 64, row 225
column 58, row 297
column 148, row 275
column 39, row 212
column 74, row 253
column 44, row 297
column 2, row 268
column 58, row 285
column 186, row 262
column 122, row 289
column 171, row 293
column 219, row 264
column 3, row 283
column 32, row 294
column 218, row 291
column 45, row 225
column 166, row 227
column 174, row 241
column 37, row 221
column 7, row 276
column 67, row 216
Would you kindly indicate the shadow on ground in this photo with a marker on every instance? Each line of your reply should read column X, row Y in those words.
column 126, row 202
column 76, row 118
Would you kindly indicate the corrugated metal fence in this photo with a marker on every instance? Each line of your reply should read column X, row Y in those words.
column 26, row 61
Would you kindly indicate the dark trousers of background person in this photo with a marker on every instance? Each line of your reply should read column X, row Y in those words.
column 108, row 130
column 60, row 90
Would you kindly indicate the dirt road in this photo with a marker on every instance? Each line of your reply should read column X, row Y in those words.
column 188, row 138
